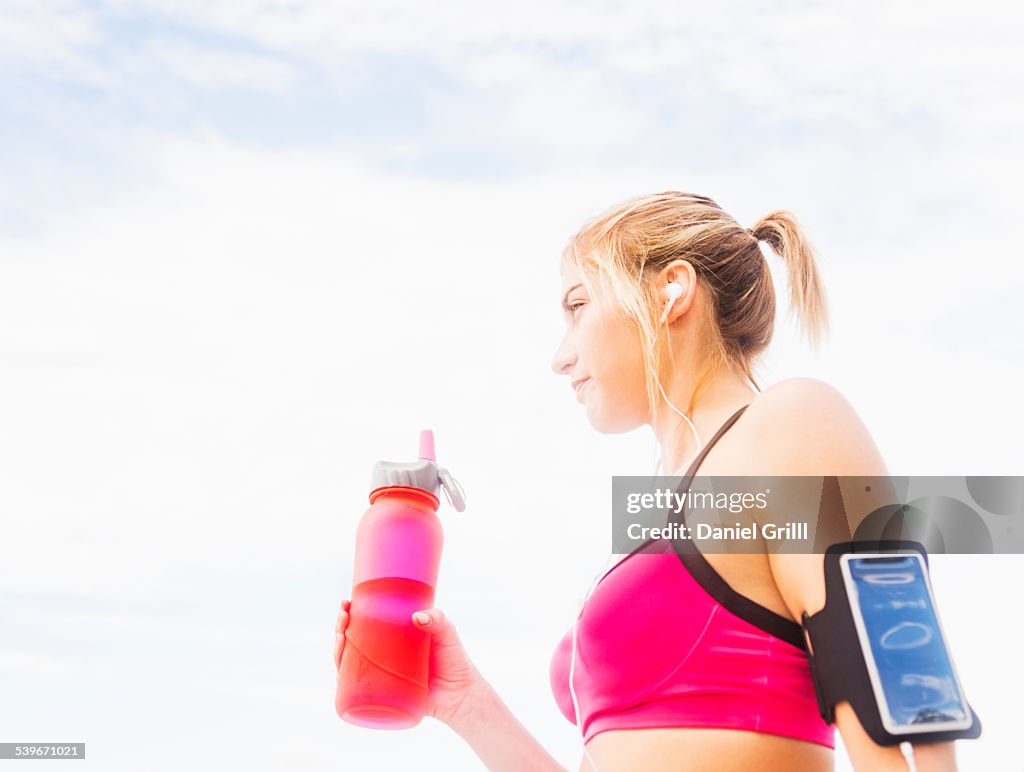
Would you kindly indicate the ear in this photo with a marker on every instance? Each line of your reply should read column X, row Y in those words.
column 679, row 272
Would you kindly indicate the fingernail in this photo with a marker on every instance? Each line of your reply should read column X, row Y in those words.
column 422, row 618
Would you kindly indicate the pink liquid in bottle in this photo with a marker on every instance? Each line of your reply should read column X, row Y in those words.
column 384, row 673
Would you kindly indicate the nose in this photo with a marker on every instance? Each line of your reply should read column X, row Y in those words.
column 564, row 357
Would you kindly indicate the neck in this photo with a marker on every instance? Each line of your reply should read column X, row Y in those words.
column 726, row 394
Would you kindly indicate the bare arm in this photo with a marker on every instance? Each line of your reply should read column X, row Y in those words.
column 827, row 438
column 485, row 722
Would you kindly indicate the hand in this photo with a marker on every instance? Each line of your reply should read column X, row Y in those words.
column 452, row 675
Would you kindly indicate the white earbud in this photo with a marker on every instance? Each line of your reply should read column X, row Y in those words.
column 673, row 291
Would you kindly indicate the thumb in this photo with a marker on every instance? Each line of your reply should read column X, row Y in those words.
column 433, row 621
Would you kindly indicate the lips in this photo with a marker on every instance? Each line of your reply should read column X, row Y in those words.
column 577, row 385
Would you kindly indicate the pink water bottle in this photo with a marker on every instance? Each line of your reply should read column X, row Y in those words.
column 382, row 680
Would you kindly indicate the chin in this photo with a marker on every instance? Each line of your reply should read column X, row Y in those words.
column 611, row 424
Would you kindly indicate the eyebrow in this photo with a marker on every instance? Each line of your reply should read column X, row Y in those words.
column 565, row 298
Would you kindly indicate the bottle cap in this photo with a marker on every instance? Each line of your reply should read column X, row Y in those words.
column 424, row 474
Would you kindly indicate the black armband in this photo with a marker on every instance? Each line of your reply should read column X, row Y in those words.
column 882, row 649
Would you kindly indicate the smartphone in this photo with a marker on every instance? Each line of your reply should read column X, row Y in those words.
column 912, row 673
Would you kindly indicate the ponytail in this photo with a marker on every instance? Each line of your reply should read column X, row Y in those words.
column 806, row 291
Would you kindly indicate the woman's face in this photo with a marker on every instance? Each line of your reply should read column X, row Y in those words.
column 601, row 352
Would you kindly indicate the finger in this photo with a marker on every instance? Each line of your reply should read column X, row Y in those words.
column 341, row 623
column 431, row 619
column 339, row 647
column 442, row 631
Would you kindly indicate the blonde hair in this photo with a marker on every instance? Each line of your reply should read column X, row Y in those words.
column 628, row 245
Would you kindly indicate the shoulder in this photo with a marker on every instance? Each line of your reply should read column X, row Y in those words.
column 794, row 392
column 811, row 428
column 800, row 407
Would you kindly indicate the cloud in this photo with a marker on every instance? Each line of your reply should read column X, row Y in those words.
column 539, row 85
column 30, row 663
column 204, row 69
column 52, row 36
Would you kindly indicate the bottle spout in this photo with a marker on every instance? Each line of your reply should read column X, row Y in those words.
column 427, row 445
column 423, row 473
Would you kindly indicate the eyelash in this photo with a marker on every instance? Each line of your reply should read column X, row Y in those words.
column 572, row 308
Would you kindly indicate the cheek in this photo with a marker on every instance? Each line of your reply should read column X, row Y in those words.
column 617, row 363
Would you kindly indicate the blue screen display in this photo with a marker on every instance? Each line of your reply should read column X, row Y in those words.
column 913, row 665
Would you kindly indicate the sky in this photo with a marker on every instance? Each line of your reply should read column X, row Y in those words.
column 247, row 249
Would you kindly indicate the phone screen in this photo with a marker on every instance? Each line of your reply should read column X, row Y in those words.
column 915, row 683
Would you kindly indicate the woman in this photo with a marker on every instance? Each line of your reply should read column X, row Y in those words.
column 668, row 300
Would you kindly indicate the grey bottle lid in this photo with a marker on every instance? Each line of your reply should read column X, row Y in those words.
column 425, row 474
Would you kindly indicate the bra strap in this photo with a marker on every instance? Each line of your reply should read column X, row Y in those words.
column 713, row 583
column 692, row 471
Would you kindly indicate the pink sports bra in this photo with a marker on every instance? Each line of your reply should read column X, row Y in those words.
column 664, row 641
